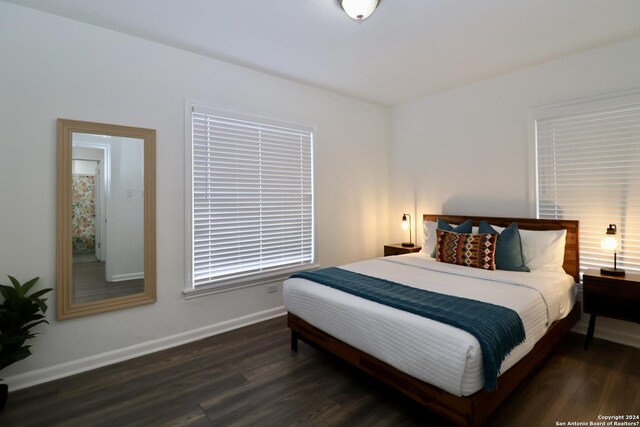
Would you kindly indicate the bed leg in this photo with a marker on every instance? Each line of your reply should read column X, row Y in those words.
column 294, row 341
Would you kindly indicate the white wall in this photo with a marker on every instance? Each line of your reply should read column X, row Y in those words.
column 83, row 167
column 466, row 151
column 57, row 68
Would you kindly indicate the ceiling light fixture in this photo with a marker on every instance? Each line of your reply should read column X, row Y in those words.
column 359, row 9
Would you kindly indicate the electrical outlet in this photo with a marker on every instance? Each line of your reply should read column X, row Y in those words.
column 271, row 289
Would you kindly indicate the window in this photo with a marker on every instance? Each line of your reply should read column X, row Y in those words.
column 588, row 168
column 251, row 199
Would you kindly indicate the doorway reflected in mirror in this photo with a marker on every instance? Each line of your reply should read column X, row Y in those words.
column 107, row 216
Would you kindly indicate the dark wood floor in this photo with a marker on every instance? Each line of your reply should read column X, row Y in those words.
column 250, row 377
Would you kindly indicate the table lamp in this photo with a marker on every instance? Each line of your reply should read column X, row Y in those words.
column 610, row 243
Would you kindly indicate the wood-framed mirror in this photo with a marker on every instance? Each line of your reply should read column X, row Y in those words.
column 106, row 218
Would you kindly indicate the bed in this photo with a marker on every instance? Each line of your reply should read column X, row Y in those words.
column 436, row 364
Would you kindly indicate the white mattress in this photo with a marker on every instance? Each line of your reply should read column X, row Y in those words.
column 436, row 353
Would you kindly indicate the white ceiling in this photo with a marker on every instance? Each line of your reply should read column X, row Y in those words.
column 408, row 48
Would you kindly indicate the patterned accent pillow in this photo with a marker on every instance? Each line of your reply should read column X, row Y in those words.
column 471, row 250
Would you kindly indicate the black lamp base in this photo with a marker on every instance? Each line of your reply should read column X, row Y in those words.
column 407, row 245
column 612, row 271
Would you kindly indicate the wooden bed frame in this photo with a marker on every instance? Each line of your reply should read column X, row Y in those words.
column 470, row 410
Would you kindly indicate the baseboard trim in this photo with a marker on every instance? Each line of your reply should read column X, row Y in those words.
column 607, row 333
column 128, row 276
column 66, row 369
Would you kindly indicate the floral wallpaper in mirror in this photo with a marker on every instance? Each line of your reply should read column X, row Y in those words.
column 84, row 213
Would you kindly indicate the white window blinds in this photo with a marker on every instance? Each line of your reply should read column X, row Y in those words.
column 252, row 197
column 588, row 168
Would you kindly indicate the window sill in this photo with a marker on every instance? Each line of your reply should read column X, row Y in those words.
column 244, row 282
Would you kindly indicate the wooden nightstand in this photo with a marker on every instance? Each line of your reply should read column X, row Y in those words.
column 398, row 249
column 617, row 297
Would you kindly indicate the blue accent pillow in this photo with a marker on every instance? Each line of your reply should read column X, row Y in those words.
column 465, row 227
column 508, row 248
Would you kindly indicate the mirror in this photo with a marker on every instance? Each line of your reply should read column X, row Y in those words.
column 105, row 218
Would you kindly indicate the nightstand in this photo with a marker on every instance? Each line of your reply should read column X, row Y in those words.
column 398, row 249
column 617, row 297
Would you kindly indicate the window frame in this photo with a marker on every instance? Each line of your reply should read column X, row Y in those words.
column 249, row 280
column 579, row 106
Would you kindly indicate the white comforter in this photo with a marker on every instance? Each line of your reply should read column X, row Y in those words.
column 436, row 353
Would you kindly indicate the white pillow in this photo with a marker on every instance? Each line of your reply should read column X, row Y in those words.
column 429, row 235
column 542, row 250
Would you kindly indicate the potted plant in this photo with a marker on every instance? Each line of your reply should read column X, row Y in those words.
column 19, row 313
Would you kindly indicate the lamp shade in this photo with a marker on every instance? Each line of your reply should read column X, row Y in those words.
column 406, row 225
column 610, row 242
column 359, row 9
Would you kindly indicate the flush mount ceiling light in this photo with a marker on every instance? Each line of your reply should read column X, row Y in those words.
column 359, row 9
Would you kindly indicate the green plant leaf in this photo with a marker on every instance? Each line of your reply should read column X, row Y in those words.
column 40, row 293
column 7, row 292
column 27, row 286
column 16, row 285
column 42, row 306
column 15, row 356
column 31, row 325
column 19, row 314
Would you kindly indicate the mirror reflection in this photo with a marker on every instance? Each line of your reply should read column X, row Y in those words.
column 106, row 240
column 107, row 226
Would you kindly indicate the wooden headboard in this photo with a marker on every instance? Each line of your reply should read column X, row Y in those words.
column 571, row 249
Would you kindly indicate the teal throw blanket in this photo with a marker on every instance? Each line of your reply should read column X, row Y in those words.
column 498, row 329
